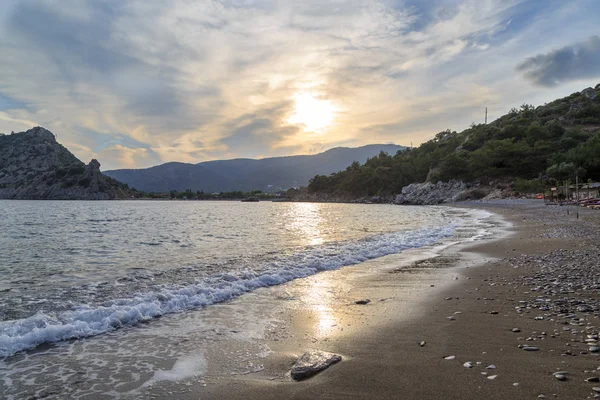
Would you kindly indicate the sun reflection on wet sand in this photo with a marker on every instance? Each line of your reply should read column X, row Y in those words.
column 319, row 298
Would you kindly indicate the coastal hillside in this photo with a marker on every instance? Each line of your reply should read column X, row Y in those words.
column 526, row 150
column 33, row 165
column 267, row 174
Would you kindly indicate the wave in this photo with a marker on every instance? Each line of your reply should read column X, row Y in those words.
column 84, row 320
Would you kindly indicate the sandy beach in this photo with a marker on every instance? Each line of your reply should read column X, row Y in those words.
column 475, row 306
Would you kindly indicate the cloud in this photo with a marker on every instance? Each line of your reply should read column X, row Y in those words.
column 575, row 62
column 149, row 81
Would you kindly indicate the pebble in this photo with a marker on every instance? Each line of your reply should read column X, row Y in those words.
column 451, row 318
column 468, row 364
column 516, row 384
column 516, row 330
column 491, row 366
column 560, row 377
column 362, row 302
column 492, row 377
column 422, row 343
column 596, row 389
column 593, row 379
column 594, row 349
column 530, row 348
column 450, row 358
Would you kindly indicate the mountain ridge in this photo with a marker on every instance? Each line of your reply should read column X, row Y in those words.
column 246, row 174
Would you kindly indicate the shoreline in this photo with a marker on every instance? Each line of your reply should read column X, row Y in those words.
column 244, row 348
column 382, row 357
column 322, row 316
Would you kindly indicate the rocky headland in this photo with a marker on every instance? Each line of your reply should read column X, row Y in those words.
column 33, row 165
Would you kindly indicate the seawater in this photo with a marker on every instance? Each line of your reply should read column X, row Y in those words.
column 81, row 269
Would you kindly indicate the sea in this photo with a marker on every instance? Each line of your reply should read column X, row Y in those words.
column 88, row 290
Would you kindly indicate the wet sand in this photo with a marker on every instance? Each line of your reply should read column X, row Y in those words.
column 480, row 286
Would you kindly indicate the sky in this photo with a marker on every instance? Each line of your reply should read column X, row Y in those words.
column 139, row 83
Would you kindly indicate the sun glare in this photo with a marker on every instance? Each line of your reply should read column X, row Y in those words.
column 315, row 114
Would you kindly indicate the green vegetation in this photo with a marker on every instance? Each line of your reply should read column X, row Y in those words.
column 529, row 148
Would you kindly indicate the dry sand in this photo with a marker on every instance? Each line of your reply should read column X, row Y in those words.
column 480, row 286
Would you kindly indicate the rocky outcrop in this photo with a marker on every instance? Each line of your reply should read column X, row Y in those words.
column 589, row 93
column 438, row 193
column 33, row 165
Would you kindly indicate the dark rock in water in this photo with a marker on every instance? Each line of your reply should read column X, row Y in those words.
column 365, row 301
column 311, row 363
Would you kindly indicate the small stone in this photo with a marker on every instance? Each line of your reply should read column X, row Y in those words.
column 451, row 318
column 530, row 348
column 516, row 330
column 516, row 384
column 560, row 377
column 491, row 366
column 593, row 379
column 493, row 312
column 422, row 343
column 362, row 302
column 541, row 396
column 468, row 364
column 312, row 363
column 594, row 349
column 596, row 389
column 449, row 358
column 492, row 377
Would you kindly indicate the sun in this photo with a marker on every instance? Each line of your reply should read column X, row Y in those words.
column 314, row 113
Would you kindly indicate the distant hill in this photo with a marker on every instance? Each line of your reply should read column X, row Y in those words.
column 267, row 174
column 33, row 165
column 525, row 150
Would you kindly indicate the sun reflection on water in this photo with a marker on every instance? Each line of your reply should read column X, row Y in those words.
column 306, row 221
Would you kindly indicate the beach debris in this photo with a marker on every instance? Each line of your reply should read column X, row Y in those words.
column 492, row 377
column 449, row 358
column 313, row 362
column 363, row 301
column 468, row 364
column 422, row 343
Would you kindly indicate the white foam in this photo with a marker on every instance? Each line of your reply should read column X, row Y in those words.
column 84, row 321
column 185, row 367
